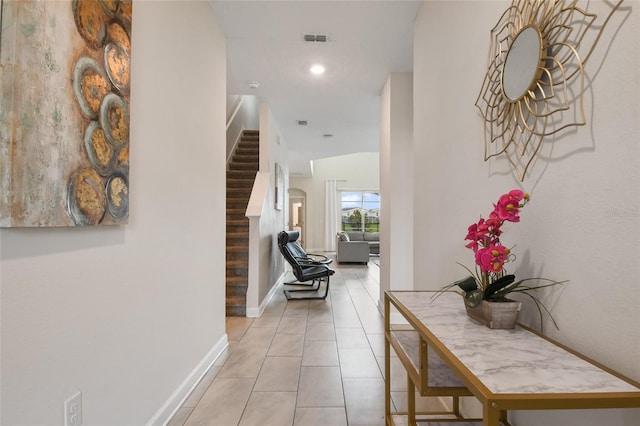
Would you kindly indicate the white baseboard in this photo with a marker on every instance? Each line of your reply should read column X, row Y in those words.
column 256, row 312
column 177, row 398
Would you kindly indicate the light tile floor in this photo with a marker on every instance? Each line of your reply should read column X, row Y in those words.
column 317, row 362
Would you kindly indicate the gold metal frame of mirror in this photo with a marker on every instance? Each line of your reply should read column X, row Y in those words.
column 517, row 127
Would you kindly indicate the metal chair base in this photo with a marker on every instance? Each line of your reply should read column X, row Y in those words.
column 288, row 293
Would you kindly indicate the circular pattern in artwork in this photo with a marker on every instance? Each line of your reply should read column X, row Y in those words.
column 116, row 60
column 123, row 158
column 118, row 35
column 90, row 20
column 101, row 154
column 90, row 85
column 114, row 119
column 118, row 196
column 86, row 197
column 109, row 6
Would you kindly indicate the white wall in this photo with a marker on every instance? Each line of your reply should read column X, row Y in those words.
column 396, row 183
column 247, row 117
column 273, row 150
column 358, row 172
column 583, row 222
column 126, row 314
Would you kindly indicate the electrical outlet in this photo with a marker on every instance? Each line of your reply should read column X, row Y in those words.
column 73, row 410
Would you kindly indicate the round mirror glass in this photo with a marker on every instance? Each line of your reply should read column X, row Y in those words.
column 522, row 65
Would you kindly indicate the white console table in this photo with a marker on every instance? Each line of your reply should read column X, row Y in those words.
column 505, row 370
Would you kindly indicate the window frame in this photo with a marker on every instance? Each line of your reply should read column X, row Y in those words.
column 368, row 223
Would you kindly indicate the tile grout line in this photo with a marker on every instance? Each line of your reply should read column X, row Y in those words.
column 264, row 359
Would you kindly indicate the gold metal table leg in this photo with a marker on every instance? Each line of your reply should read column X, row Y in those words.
column 491, row 413
column 411, row 401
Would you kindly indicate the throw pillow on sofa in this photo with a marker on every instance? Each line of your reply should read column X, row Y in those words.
column 343, row 236
column 356, row 235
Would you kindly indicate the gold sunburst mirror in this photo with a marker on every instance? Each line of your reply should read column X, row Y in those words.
column 535, row 78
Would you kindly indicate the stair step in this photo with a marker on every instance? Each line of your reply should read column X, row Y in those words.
column 241, row 174
column 240, row 183
column 252, row 145
column 236, row 264
column 238, row 227
column 235, row 280
column 238, row 253
column 236, row 214
column 237, row 222
column 238, row 192
column 237, row 290
column 241, row 158
column 239, row 272
column 238, row 248
column 236, row 306
column 244, row 166
column 237, row 203
column 238, row 239
column 248, row 150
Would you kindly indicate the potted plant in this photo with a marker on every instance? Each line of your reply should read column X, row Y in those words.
column 487, row 288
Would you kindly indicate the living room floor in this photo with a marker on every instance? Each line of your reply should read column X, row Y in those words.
column 317, row 362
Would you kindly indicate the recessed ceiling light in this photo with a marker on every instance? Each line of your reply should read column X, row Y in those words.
column 254, row 84
column 317, row 69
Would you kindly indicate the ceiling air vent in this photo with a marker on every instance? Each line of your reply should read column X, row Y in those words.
column 302, row 122
column 321, row 38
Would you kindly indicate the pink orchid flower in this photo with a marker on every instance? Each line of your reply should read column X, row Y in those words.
column 492, row 259
column 484, row 236
column 508, row 207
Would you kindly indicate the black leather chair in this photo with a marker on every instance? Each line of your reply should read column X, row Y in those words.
column 306, row 268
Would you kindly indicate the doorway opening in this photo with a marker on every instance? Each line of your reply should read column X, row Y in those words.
column 297, row 213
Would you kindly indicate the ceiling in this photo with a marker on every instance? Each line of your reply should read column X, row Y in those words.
column 367, row 40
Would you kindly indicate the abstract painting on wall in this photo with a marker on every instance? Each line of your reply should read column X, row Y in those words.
column 64, row 112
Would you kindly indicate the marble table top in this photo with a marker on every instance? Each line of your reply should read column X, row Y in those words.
column 507, row 361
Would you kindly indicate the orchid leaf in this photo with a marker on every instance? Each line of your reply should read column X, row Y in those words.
column 467, row 284
column 497, row 285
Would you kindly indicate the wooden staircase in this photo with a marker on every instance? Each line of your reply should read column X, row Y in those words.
column 241, row 173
